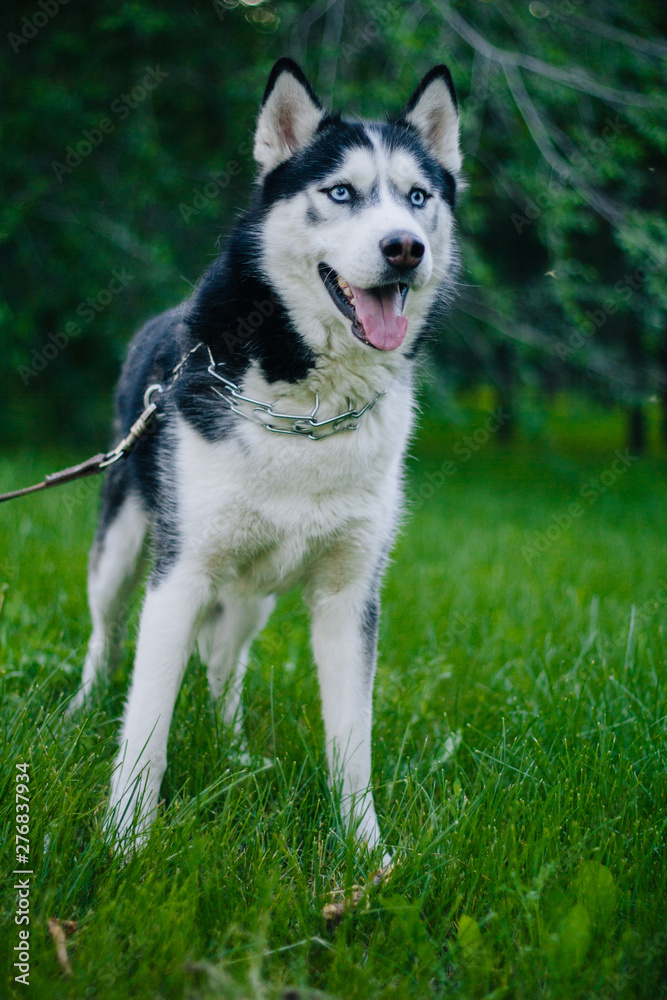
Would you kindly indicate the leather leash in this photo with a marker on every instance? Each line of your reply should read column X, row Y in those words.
column 88, row 468
column 98, row 463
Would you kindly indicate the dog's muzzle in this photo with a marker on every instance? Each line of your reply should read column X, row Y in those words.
column 376, row 314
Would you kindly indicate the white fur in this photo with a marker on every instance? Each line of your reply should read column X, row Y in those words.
column 112, row 574
column 286, row 122
column 259, row 512
column 436, row 118
column 351, row 245
column 224, row 644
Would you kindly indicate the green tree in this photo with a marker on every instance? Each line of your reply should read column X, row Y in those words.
column 126, row 151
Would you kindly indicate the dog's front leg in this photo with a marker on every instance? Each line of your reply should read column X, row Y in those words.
column 166, row 635
column 344, row 636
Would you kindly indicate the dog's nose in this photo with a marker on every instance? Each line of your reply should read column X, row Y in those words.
column 402, row 250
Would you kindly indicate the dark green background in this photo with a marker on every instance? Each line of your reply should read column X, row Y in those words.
column 562, row 227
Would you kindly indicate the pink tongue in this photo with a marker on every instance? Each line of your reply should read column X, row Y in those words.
column 379, row 310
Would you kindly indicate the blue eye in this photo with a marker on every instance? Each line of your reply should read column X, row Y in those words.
column 418, row 197
column 340, row 193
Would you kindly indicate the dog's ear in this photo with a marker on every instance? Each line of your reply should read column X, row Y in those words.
column 289, row 115
column 433, row 111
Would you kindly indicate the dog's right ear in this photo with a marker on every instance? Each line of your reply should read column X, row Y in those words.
column 289, row 115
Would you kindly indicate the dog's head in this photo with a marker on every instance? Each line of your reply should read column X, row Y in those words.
column 357, row 217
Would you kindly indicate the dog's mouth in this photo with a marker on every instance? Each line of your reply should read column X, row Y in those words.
column 376, row 314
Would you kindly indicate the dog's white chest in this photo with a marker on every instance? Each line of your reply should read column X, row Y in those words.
column 260, row 507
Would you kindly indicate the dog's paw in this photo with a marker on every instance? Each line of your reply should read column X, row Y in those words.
column 334, row 912
column 125, row 837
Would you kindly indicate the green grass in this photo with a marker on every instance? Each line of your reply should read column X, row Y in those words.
column 519, row 756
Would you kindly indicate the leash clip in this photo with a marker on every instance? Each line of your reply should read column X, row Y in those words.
column 155, row 387
column 137, row 430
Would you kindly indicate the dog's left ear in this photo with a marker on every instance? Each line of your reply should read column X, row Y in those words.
column 433, row 111
column 289, row 115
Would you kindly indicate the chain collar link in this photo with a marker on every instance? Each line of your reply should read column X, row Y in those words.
column 299, row 424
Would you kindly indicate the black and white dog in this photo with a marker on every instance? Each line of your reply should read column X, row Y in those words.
column 285, row 411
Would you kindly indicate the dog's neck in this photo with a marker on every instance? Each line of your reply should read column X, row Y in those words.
column 257, row 343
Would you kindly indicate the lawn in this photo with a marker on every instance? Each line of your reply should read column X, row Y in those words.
column 519, row 753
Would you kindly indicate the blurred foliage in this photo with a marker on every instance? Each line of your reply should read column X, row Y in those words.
column 126, row 151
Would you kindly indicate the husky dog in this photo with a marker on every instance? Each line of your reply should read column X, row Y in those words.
column 284, row 387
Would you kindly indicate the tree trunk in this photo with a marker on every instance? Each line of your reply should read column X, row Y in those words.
column 636, row 430
column 662, row 394
column 505, row 377
column 636, row 421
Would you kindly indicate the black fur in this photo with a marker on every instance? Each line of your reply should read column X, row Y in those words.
column 222, row 315
column 287, row 65
column 369, row 626
column 235, row 314
column 402, row 135
column 439, row 71
column 333, row 140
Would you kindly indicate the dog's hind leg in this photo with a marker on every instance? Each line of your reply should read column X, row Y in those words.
column 114, row 566
column 224, row 642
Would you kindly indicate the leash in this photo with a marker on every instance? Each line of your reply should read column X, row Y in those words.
column 98, row 463
column 302, row 425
